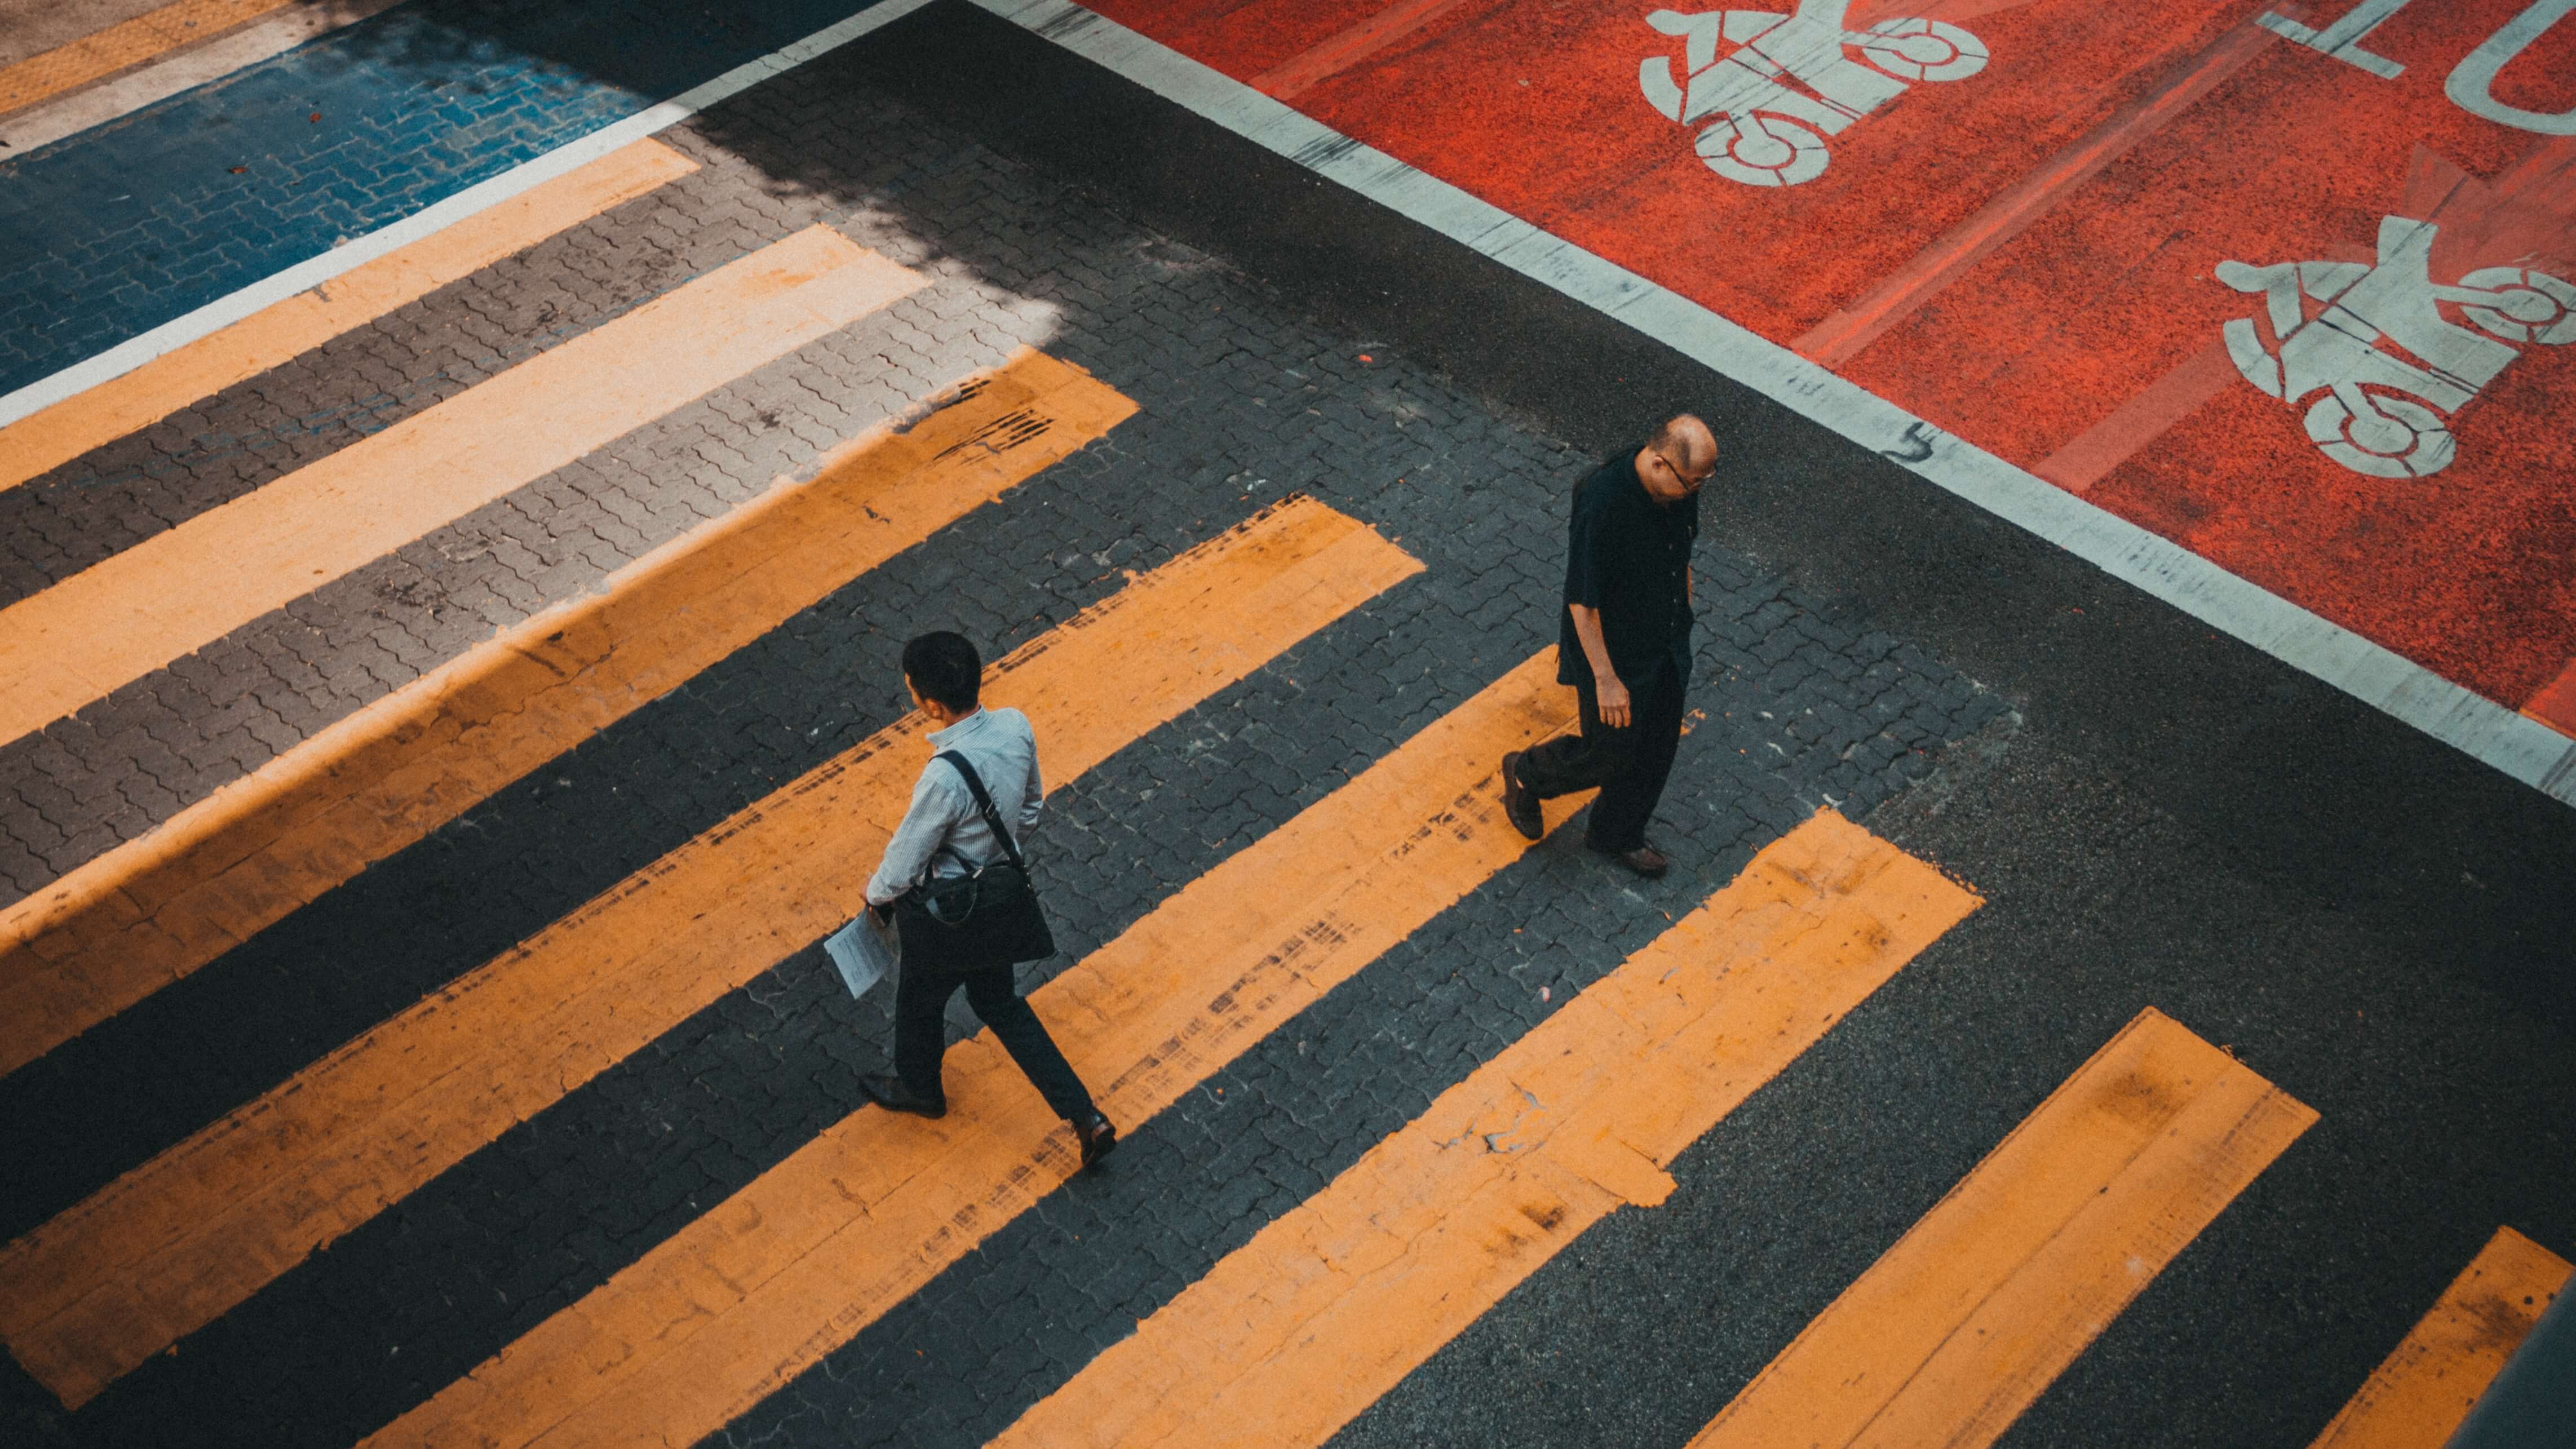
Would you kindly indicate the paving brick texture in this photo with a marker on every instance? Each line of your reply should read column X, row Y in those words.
column 114, row 231
column 1799, row 704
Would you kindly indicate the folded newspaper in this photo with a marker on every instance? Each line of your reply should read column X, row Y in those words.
column 863, row 952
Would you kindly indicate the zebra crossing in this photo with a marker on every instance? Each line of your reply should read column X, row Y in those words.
column 805, row 1257
column 154, row 909
column 1960, row 1326
column 199, row 369
column 118, row 620
column 201, row 1226
column 1949, row 1336
column 1330, row 1305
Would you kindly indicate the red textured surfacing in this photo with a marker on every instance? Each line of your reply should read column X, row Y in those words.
column 2017, row 254
column 1534, row 105
column 2472, row 571
column 1243, row 38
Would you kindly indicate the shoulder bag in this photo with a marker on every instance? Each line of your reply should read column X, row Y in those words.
column 990, row 914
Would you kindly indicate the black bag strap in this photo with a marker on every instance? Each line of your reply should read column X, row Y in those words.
column 984, row 804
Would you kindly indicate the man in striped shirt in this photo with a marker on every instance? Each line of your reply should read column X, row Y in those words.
column 944, row 835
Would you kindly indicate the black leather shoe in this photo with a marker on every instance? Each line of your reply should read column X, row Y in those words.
column 1645, row 860
column 1096, row 1136
column 889, row 1092
column 1520, row 802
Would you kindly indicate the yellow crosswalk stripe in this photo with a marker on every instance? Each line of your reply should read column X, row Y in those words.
column 731, row 1307
column 2420, row 1396
column 183, row 1238
column 156, row 908
column 1330, row 1306
column 1956, row 1329
column 188, row 586
column 47, row 439
column 103, row 53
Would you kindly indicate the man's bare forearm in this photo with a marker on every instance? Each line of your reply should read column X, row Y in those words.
column 1587, row 630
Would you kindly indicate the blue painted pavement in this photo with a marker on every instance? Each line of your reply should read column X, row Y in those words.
column 112, row 232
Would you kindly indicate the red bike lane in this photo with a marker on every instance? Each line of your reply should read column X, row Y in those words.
column 2219, row 270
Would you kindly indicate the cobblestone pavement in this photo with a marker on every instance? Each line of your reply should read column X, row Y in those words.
column 282, row 161
column 1247, row 393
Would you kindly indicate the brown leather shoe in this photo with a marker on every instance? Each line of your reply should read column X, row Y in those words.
column 1520, row 802
column 1096, row 1136
column 889, row 1092
column 1645, row 860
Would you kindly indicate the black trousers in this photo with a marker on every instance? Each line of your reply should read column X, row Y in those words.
column 1629, row 766
column 920, row 1031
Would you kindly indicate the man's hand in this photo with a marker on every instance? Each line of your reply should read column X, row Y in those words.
column 1612, row 697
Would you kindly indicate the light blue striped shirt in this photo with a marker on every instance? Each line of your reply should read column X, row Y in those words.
column 1004, row 751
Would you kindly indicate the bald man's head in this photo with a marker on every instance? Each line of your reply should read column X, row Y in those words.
column 1677, row 459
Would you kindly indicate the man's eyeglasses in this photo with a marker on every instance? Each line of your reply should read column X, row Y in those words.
column 1690, row 484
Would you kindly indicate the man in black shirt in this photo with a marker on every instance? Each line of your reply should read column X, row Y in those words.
column 1624, row 644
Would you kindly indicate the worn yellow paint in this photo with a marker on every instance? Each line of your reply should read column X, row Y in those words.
column 184, row 588
column 1293, row 1334
column 158, row 907
column 124, row 45
column 55, row 435
column 183, row 1238
column 1956, row 1329
column 734, row 1305
column 2419, row 1397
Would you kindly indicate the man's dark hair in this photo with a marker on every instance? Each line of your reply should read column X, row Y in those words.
column 944, row 667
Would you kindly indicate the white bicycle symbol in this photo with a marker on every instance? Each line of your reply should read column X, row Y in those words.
column 2376, row 412
column 1765, row 129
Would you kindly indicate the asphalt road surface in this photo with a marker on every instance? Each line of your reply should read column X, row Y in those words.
column 454, row 690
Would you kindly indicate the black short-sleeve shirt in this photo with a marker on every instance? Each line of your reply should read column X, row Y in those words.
column 1628, row 556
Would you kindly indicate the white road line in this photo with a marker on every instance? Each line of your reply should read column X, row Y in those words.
column 50, row 121
column 178, row 332
column 2520, row 747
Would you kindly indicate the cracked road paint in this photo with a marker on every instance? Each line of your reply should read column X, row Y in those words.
column 2423, row 1392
